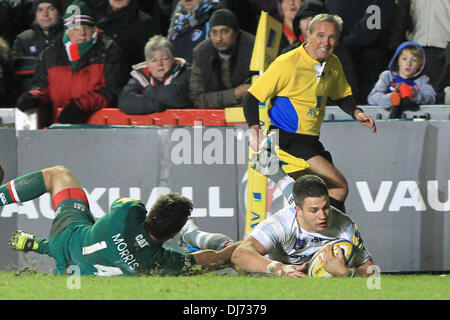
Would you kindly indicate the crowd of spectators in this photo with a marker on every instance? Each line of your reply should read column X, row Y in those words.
column 147, row 56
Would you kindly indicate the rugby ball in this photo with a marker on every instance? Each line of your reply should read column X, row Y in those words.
column 315, row 268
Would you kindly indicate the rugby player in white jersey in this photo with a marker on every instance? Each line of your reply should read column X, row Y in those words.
column 283, row 244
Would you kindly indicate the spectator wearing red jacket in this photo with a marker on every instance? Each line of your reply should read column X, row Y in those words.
column 80, row 72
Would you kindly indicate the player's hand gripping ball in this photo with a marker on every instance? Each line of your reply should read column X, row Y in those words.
column 315, row 268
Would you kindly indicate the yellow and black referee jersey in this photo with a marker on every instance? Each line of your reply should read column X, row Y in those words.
column 298, row 87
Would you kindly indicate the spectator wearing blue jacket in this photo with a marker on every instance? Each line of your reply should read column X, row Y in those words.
column 404, row 84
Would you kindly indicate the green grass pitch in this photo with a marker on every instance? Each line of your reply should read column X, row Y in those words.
column 222, row 287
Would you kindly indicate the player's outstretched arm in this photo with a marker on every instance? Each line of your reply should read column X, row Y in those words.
column 250, row 256
column 212, row 260
column 2, row 174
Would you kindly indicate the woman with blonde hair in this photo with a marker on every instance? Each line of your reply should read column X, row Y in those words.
column 160, row 82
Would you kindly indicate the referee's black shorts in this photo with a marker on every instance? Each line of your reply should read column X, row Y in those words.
column 296, row 149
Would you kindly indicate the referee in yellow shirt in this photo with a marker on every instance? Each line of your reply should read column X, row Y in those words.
column 298, row 83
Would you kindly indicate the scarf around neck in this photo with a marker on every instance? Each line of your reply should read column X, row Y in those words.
column 142, row 74
column 290, row 35
column 182, row 19
column 77, row 50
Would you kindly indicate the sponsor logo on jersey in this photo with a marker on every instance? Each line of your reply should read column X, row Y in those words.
column 141, row 241
column 299, row 244
column 79, row 206
column 3, row 198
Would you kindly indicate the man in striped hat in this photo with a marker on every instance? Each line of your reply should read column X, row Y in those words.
column 77, row 75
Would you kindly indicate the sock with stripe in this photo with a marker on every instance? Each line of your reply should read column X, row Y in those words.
column 192, row 236
column 24, row 188
column 285, row 183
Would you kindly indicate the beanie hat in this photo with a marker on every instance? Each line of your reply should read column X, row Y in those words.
column 310, row 9
column 78, row 13
column 56, row 3
column 224, row 17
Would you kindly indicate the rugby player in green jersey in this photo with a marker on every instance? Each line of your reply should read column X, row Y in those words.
column 125, row 241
